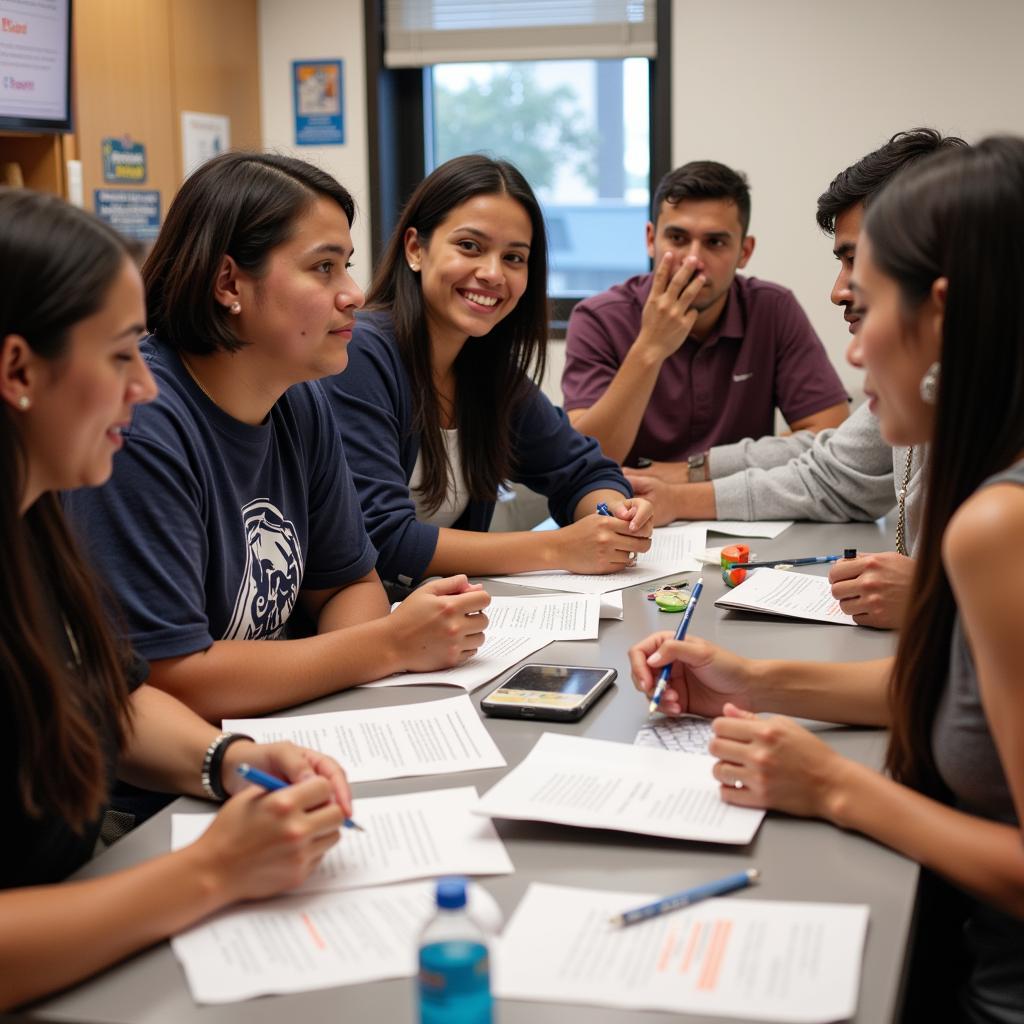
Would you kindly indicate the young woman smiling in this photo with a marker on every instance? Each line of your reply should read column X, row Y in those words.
column 233, row 506
column 439, row 405
column 941, row 339
column 74, row 710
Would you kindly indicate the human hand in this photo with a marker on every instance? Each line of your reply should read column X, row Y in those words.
column 441, row 624
column 599, row 544
column 288, row 762
column 638, row 512
column 263, row 843
column 658, row 493
column 873, row 588
column 702, row 678
column 774, row 763
column 668, row 315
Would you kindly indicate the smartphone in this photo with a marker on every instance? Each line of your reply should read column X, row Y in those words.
column 556, row 693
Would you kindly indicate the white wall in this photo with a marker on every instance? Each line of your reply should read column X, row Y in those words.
column 319, row 30
column 793, row 91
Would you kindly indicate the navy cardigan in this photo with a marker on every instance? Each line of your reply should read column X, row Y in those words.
column 372, row 402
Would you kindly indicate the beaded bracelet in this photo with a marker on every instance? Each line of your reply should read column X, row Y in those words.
column 210, row 775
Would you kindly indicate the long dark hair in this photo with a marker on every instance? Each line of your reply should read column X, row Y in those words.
column 958, row 215
column 57, row 264
column 241, row 205
column 491, row 373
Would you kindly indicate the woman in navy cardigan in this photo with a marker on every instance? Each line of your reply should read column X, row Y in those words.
column 440, row 405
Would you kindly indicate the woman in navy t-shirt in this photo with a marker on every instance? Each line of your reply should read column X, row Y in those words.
column 233, row 507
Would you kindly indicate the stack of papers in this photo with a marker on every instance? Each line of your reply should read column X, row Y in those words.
column 734, row 957
column 674, row 549
column 434, row 738
column 767, row 528
column 791, row 595
column 571, row 780
column 413, row 835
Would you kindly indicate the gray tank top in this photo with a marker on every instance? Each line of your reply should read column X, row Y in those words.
column 966, row 757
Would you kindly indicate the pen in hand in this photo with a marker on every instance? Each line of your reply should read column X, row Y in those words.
column 272, row 782
column 684, row 625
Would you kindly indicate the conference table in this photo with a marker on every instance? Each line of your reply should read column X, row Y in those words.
column 799, row 859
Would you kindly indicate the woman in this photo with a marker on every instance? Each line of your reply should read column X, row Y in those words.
column 942, row 342
column 71, row 715
column 437, row 407
column 233, row 507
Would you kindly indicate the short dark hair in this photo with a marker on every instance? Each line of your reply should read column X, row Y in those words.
column 241, row 205
column 861, row 181
column 704, row 179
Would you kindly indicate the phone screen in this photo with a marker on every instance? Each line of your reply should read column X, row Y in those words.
column 549, row 686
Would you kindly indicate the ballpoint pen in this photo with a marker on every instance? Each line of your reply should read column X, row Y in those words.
column 687, row 897
column 684, row 625
column 272, row 782
column 809, row 560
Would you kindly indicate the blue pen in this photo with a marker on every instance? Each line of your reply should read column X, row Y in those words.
column 810, row 560
column 602, row 509
column 688, row 896
column 684, row 625
column 272, row 782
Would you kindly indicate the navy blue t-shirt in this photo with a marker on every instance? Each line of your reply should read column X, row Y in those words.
column 209, row 527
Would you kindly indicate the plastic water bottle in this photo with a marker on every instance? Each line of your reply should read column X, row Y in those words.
column 454, row 978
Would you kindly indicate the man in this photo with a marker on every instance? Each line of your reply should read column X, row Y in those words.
column 837, row 475
column 669, row 363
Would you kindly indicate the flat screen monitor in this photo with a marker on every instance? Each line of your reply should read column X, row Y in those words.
column 35, row 65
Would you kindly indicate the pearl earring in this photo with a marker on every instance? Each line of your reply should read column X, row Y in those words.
column 236, row 308
column 414, row 267
column 929, row 386
column 24, row 402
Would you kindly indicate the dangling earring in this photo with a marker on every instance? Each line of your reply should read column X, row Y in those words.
column 929, row 386
column 24, row 402
column 236, row 308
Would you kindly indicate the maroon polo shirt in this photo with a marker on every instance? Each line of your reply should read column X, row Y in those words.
column 763, row 354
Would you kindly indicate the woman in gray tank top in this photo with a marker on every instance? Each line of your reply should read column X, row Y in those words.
column 938, row 273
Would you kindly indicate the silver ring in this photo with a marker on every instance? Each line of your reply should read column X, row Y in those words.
column 632, row 558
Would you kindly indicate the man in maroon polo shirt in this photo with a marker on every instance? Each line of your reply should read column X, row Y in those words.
column 669, row 363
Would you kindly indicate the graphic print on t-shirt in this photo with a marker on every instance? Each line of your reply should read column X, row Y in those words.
column 273, row 574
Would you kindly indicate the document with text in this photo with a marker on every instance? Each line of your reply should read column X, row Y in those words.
column 674, row 549
column 688, row 734
column 432, row 738
column 791, row 595
column 412, row 835
column 571, row 780
column 730, row 957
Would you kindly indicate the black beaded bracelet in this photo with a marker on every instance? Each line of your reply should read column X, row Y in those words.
column 210, row 776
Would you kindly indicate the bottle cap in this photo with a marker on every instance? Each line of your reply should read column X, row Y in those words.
column 451, row 893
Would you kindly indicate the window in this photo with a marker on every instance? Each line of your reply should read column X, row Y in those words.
column 579, row 130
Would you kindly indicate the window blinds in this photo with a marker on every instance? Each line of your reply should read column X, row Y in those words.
column 423, row 32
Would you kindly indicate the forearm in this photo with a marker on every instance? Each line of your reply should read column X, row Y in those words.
column 982, row 856
column 691, row 501
column 587, row 505
column 358, row 603
column 237, row 678
column 853, row 693
column 614, row 419
column 53, row 936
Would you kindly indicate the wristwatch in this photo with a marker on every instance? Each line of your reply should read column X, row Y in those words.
column 698, row 467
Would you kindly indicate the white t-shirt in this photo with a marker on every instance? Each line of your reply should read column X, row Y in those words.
column 456, row 497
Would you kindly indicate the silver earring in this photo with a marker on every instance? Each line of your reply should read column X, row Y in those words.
column 236, row 308
column 929, row 386
column 24, row 402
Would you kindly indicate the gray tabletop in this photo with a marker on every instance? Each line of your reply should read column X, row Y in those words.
column 799, row 859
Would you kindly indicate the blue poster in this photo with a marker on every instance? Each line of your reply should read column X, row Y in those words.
column 318, row 91
column 124, row 161
column 133, row 212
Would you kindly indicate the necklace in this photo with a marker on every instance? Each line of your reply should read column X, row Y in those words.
column 901, row 506
column 192, row 374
